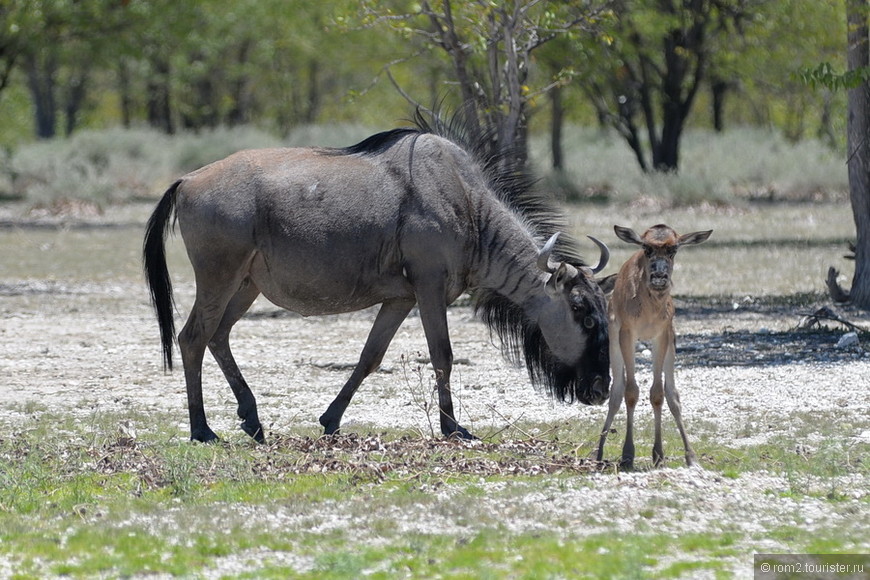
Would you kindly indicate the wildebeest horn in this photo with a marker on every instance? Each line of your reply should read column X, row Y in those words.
column 605, row 254
column 544, row 254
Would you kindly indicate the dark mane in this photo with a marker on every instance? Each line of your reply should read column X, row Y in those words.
column 521, row 339
column 376, row 144
column 508, row 177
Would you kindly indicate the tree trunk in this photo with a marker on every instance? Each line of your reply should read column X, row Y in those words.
column 453, row 46
column 74, row 99
column 719, row 88
column 313, row 102
column 240, row 93
column 159, row 108
column 125, row 92
column 513, row 130
column 666, row 154
column 858, row 133
column 41, row 80
column 556, row 129
column 826, row 132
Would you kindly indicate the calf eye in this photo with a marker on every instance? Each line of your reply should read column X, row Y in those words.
column 589, row 322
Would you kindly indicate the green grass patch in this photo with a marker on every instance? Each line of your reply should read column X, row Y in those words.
column 84, row 500
column 815, row 446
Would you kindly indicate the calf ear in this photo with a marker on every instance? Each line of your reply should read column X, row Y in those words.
column 607, row 283
column 694, row 238
column 627, row 235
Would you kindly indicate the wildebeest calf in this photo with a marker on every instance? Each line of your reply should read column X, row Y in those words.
column 641, row 308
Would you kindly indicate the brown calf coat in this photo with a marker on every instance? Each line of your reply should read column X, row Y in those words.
column 641, row 308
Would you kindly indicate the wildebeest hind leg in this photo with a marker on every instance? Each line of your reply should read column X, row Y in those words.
column 213, row 294
column 220, row 349
column 387, row 322
column 192, row 340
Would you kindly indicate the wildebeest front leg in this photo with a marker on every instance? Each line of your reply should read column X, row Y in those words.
column 220, row 349
column 433, row 314
column 387, row 322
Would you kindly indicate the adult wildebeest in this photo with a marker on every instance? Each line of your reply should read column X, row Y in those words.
column 404, row 217
column 641, row 308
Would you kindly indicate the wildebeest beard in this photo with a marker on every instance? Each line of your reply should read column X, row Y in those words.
column 587, row 382
column 587, row 386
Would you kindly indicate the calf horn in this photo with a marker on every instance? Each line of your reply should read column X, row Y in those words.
column 605, row 254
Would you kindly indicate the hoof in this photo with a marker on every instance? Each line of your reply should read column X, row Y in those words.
column 458, row 433
column 255, row 431
column 626, row 464
column 204, row 436
column 599, row 455
column 330, row 426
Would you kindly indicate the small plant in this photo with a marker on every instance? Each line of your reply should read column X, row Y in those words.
column 424, row 394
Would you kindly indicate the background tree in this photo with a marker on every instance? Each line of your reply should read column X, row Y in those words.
column 858, row 133
column 12, row 33
column 278, row 64
column 785, row 37
column 856, row 80
column 654, row 60
column 62, row 45
column 489, row 49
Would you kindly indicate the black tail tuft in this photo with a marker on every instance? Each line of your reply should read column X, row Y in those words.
column 156, row 272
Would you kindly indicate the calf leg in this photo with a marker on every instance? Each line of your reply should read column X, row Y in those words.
column 657, row 394
column 220, row 349
column 617, row 390
column 626, row 343
column 673, row 398
column 631, row 396
column 387, row 322
column 656, row 397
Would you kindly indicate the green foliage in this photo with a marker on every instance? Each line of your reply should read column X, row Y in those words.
column 784, row 38
column 823, row 75
column 99, row 63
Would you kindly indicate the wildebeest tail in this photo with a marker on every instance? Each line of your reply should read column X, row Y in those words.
column 157, row 273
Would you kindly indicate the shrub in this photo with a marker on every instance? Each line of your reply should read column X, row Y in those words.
column 101, row 167
column 729, row 167
column 117, row 165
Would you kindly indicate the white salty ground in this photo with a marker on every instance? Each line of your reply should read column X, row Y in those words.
column 91, row 350
column 81, row 347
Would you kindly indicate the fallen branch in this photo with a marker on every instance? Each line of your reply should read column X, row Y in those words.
column 837, row 293
column 815, row 320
